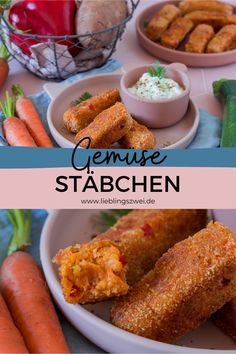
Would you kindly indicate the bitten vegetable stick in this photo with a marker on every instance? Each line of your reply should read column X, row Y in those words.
column 11, row 340
column 25, row 292
column 27, row 113
column 14, row 129
column 4, row 68
column 92, row 272
column 142, row 237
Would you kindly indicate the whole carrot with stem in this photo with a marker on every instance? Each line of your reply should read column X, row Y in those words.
column 15, row 130
column 11, row 340
column 26, row 111
column 25, row 291
column 4, row 68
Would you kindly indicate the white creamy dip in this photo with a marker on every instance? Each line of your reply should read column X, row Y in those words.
column 154, row 88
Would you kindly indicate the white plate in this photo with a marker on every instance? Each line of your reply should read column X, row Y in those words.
column 178, row 136
column 65, row 227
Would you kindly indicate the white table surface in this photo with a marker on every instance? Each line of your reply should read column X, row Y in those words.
column 129, row 51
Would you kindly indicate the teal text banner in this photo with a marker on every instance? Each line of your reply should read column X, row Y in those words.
column 19, row 157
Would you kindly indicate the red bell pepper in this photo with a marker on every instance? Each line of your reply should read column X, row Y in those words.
column 42, row 17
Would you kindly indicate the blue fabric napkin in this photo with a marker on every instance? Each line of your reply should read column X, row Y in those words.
column 208, row 134
column 77, row 342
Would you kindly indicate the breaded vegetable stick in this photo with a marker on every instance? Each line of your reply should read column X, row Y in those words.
column 142, row 237
column 91, row 271
column 199, row 39
column 176, row 33
column 215, row 6
column 215, row 19
column 138, row 137
column 161, row 21
column 79, row 117
column 225, row 319
column 107, row 128
column 189, row 283
column 224, row 40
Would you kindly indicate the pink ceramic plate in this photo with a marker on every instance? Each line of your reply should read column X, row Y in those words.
column 178, row 136
column 170, row 55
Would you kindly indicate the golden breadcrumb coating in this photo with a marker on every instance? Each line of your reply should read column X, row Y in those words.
column 138, row 137
column 204, row 5
column 161, row 21
column 189, row 283
column 199, row 39
column 91, row 272
column 144, row 235
column 176, row 33
column 80, row 116
column 215, row 19
column 107, row 128
column 224, row 40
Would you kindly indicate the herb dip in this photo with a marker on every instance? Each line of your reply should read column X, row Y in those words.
column 154, row 87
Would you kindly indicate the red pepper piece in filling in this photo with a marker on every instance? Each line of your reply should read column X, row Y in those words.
column 123, row 260
column 91, row 107
column 147, row 230
column 74, row 291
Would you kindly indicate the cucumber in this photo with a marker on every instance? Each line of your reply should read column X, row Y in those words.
column 225, row 90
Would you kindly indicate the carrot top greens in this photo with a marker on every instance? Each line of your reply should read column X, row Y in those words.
column 8, row 106
column 17, row 91
column 21, row 223
column 3, row 52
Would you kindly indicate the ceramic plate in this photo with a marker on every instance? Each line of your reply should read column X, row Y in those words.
column 170, row 55
column 64, row 228
column 178, row 136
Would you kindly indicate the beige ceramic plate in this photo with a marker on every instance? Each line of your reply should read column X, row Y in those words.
column 178, row 136
column 170, row 55
column 64, row 228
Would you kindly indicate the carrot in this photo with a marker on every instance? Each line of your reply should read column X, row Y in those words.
column 14, row 129
column 4, row 68
column 26, row 294
column 25, row 291
column 11, row 341
column 26, row 111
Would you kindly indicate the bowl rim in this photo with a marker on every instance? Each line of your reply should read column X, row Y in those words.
column 92, row 319
column 186, row 90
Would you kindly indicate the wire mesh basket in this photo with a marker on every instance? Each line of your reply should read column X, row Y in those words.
column 59, row 57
